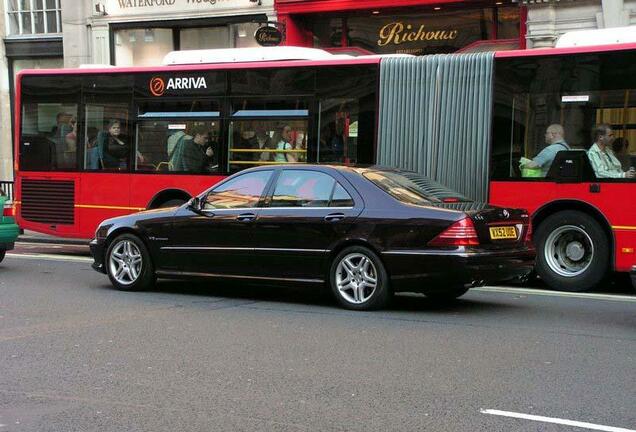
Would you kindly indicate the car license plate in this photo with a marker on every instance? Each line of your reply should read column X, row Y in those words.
column 502, row 233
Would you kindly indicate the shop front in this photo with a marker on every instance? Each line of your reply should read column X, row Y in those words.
column 403, row 26
column 142, row 32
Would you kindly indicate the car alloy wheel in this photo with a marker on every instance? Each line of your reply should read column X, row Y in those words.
column 356, row 278
column 126, row 262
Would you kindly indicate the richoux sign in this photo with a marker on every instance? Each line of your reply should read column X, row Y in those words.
column 147, row 7
column 397, row 33
column 268, row 36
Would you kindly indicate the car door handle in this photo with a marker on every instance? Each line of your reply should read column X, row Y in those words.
column 246, row 217
column 334, row 217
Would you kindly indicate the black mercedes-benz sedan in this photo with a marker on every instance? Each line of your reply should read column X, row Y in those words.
column 365, row 232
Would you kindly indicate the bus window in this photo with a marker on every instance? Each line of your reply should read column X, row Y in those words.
column 178, row 136
column 49, row 124
column 552, row 104
column 107, row 137
column 267, row 132
column 288, row 81
column 347, row 98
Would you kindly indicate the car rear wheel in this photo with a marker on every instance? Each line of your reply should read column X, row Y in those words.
column 572, row 251
column 359, row 280
column 451, row 293
column 172, row 203
column 128, row 264
column 2, row 254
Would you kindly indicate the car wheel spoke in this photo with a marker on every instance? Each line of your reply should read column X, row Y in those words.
column 356, row 279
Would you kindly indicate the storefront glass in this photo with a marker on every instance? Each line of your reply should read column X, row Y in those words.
column 142, row 47
column 416, row 33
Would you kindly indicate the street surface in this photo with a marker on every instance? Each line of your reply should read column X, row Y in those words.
column 77, row 355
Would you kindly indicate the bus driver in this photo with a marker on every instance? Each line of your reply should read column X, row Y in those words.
column 554, row 139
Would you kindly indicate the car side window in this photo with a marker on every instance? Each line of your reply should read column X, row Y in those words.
column 243, row 191
column 300, row 188
column 340, row 197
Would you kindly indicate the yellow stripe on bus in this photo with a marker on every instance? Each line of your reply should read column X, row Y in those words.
column 90, row 206
column 621, row 227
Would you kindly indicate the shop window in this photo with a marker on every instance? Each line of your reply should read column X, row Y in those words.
column 27, row 17
column 243, row 34
column 205, row 38
column 267, row 132
column 142, row 47
column 554, row 104
column 508, row 23
column 179, row 137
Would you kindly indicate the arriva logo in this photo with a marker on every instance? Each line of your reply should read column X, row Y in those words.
column 158, row 86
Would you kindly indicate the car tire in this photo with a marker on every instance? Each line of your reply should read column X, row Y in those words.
column 572, row 251
column 359, row 280
column 2, row 254
column 450, row 294
column 171, row 203
column 128, row 264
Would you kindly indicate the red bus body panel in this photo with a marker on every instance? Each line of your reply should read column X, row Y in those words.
column 615, row 202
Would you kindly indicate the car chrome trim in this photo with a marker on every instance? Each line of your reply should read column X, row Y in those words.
column 460, row 254
column 273, row 208
column 244, row 249
column 229, row 276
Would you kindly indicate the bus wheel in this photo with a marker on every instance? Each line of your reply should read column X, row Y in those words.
column 171, row 203
column 128, row 264
column 572, row 251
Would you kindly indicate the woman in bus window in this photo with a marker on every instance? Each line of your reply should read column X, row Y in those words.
column 113, row 148
column 282, row 138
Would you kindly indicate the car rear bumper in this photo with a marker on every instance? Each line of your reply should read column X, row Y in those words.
column 98, row 253
column 430, row 271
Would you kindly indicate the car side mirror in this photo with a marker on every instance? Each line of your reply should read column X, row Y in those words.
column 195, row 204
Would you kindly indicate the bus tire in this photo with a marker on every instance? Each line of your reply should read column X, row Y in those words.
column 128, row 264
column 171, row 203
column 572, row 251
column 358, row 279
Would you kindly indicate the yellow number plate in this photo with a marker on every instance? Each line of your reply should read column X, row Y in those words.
column 499, row 233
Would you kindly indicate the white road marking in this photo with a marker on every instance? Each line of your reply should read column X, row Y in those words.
column 540, row 292
column 555, row 420
column 51, row 257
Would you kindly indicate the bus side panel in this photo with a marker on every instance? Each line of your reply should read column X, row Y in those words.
column 102, row 196
column 144, row 187
column 614, row 201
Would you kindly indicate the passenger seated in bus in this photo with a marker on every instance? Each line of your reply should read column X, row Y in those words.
column 174, row 141
column 194, row 155
column 601, row 156
column 554, row 138
column 283, row 138
column 112, row 147
column 66, row 156
column 261, row 141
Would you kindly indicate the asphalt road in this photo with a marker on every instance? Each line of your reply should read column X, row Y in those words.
column 76, row 355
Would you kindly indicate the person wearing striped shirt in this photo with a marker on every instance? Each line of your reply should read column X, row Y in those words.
column 601, row 156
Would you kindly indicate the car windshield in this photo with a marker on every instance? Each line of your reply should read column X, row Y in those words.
column 412, row 188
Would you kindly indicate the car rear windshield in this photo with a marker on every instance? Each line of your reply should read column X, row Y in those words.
column 412, row 188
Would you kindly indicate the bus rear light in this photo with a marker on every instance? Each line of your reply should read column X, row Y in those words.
column 461, row 233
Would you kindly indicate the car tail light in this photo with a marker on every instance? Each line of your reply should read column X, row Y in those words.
column 461, row 233
column 9, row 210
column 528, row 237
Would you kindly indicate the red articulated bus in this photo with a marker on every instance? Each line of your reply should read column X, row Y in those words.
column 98, row 143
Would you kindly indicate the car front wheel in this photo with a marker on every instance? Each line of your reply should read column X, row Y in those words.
column 128, row 264
column 359, row 280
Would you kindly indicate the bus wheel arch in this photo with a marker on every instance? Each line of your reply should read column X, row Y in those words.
column 168, row 198
column 574, row 245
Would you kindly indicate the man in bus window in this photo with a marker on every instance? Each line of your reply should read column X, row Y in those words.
column 554, row 138
column 194, row 155
column 601, row 156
